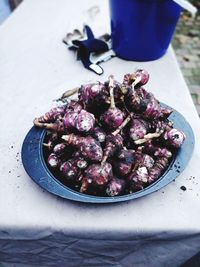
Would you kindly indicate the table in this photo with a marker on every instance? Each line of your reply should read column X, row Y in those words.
column 40, row 229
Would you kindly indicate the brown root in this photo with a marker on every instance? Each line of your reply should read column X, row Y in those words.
column 124, row 123
column 57, row 126
column 84, row 186
column 111, row 87
column 69, row 93
column 147, row 137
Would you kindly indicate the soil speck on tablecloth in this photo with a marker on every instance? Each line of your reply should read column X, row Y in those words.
column 183, row 188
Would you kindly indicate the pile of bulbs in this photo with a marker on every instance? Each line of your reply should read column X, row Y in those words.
column 115, row 139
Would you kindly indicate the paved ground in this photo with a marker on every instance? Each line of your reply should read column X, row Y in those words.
column 186, row 43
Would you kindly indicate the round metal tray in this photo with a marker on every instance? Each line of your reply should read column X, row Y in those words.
column 35, row 166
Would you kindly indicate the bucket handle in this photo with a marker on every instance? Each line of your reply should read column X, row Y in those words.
column 186, row 5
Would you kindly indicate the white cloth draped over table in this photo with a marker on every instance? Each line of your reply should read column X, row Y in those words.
column 40, row 229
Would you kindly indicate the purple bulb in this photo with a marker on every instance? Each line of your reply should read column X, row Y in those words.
column 113, row 144
column 88, row 92
column 144, row 160
column 96, row 175
column 138, row 129
column 124, row 162
column 81, row 163
column 84, row 121
column 88, row 146
column 53, row 160
column 99, row 134
column 69, row 170
column 158, row 168
column 113, row 118
column 163, row 152
column 70, row 119
column 59, row 149
column 53, row 114
column 142, row 76
column 74, row 106
column 138, row 179
column 174, row 137
column 115, row 187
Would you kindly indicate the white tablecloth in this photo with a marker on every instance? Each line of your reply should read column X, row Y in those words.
column 40, row 229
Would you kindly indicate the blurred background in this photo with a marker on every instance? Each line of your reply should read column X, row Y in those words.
column 186, row 43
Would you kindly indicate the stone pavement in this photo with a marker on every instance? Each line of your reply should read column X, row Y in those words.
column 186, row 43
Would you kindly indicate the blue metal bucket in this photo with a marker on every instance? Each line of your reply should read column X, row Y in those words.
column 142, row 29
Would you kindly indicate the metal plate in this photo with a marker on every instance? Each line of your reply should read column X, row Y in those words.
column 35, row 166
